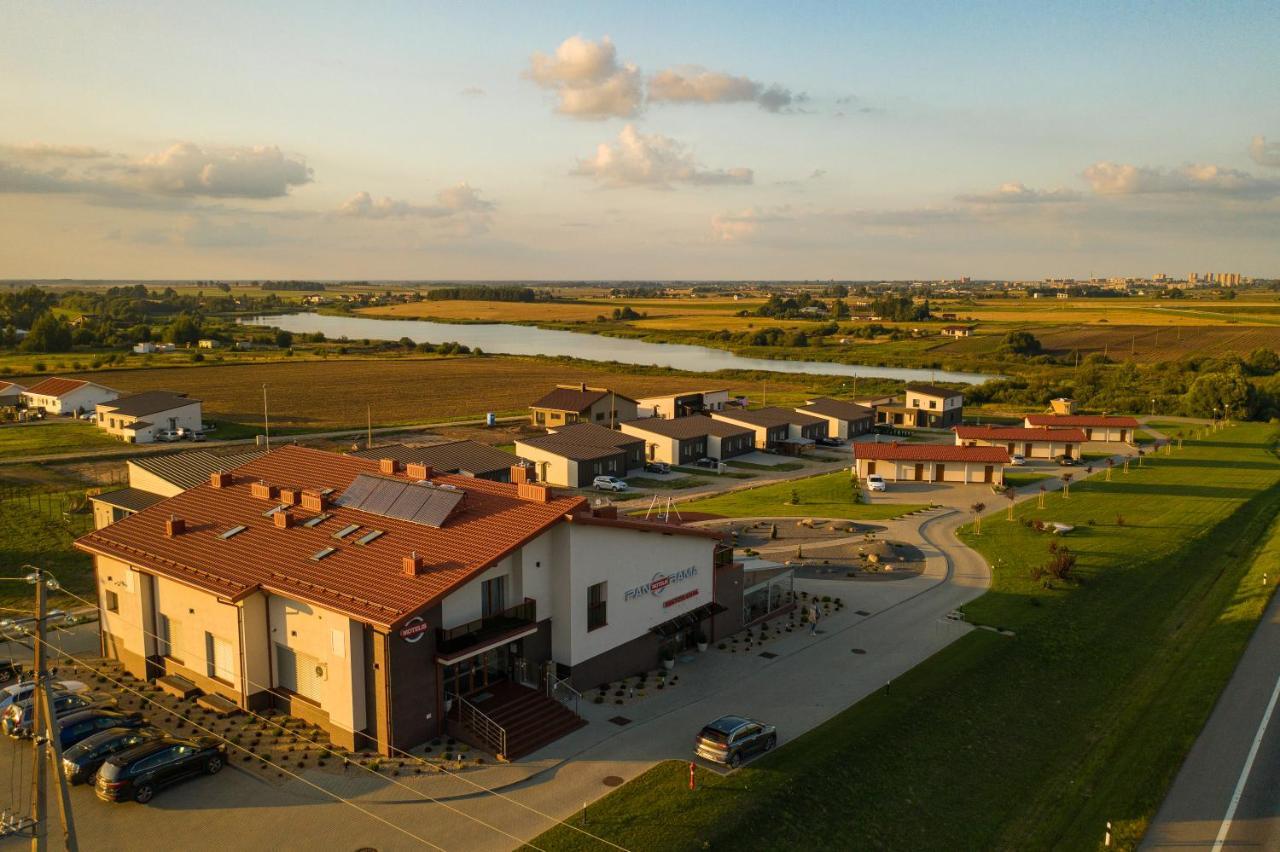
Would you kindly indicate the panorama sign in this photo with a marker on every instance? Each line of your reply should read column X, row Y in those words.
column 659, row 583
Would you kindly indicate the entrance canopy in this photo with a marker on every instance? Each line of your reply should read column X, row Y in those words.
column 689, row 619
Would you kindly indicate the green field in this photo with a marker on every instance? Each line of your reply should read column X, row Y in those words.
column 51, row 437
column 1030, row 742
column 38, row 527
column 1019, row 478
column 825, row 496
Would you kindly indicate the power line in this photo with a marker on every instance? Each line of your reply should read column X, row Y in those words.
column 223, row 739
column 398, row 751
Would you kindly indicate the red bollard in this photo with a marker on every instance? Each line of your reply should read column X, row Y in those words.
column 693, row 784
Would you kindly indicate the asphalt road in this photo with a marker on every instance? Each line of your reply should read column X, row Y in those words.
column 1227, row 794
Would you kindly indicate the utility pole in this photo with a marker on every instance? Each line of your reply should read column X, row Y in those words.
column 45, row 731
column 266, row 422
column 368, row 441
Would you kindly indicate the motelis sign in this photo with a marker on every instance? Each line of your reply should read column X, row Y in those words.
column 414, row 629
column 659, row 583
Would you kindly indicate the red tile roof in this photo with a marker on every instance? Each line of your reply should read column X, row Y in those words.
column 1019, row 433
column 1082, row 420
column 930, row 452
column 54, row 386
column 365, row 582
column 4, row 386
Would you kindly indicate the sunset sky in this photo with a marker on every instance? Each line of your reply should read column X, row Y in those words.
column 638, row 140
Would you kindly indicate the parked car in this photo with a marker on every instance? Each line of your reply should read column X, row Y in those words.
column 10, row 670
column 608, row 483
column 88, row 415
column 136, row 774
column 828, row 442
column 81, row 761
column 707, row 462
column 17, row 719
column 167, row 435
column 657, row 467
column 19, row 692
column 197, row 436
column 1017, row 459
column 875, row 482
column 731, row 739
column 76, row 726
column 1066, row 461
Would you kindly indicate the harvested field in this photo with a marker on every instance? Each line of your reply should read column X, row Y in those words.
column 333, row 393
column 1147, row 342
column 496, row 311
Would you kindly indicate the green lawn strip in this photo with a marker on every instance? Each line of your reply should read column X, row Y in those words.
column 39, row 439
column 703, row 471
column 1025, row 742
column 1025, row 477
column 825, row 496
column 34, row 531
column 785, row 466
column 652, row 484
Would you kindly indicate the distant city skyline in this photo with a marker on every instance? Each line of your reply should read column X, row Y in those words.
column 623, row 142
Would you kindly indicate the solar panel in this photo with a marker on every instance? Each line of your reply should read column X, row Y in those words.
column 419, row 503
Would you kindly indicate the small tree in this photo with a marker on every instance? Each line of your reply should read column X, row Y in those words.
column 1040, row 502
column 1126, row 463
column 1179, row 437
column 795, row 497
column 1061, row 562
column 1140, row 455
column 1110, row 464
column 977, row 508
column 1010, row 494
column 1066, row 486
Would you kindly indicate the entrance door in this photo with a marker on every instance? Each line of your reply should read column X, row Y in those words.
column 920, row 473
column 1088, row 434
column 987, row 473
column 1026, row 449
column 871, row 468
column 940, row 473
column 1009, row 448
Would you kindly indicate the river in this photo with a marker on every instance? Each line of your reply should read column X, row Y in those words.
column 507, row 339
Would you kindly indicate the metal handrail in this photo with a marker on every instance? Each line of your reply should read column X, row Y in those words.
column 484, row 726
column 575, row 694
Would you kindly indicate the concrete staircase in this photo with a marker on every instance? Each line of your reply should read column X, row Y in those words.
column 530, row 718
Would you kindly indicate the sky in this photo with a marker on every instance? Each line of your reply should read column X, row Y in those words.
column 626, row 141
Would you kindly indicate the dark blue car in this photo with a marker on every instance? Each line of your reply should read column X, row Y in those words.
column 81, row 762
column 85, row 723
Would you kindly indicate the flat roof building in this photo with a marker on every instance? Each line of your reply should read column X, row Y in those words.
column 682, row 404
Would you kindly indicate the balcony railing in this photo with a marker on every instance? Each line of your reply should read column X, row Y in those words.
column 464, row 636
column 723, row 555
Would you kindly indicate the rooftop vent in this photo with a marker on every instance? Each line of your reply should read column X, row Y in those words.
column 314, row 501
column 262, row 490
column 174, row 526
column 220, row 479
column 520, row 474
column 536, row 493
column 414, row 564
column 290, row 496
column 283, row 519
column 418, row 471
column 388, row 466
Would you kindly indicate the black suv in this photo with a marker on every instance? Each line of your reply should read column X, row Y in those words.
column 80, row 762
column 85, row 723
column 136, row 774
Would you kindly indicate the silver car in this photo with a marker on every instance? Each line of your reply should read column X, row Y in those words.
column 732, row 739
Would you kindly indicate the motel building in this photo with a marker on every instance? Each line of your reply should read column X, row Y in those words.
column 1096, row 427
column 1031, row 443
column 391, row 605
column 931, row 462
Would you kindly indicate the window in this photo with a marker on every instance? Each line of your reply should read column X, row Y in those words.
column 539, row 417
column 933, row 403
column 170, row 634
column 218, row 656
column 599, row 415
column 112, row 601
column 493, row 596
column 915, row 403
column 299, row 673
column 597, row 605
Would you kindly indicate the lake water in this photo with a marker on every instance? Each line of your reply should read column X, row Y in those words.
column 506, row 339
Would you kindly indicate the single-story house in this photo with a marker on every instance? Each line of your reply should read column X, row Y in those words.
column 1097, row 427
column 924, row 407
column 67, row 396
column 777, row 428
column 575, row 455
column 465, row 458
column 140, row 417
column 153, row 478
column 682, row 404
column 10, row 394
column 580, row 404
column 957, row 331
column 684, row 440
column 845, row 420
column 380, row 600
column 931, row 462
column 1031, row 443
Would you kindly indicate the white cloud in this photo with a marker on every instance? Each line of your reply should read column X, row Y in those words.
column 1016, row 193
column 262, row 171
column 698, row 85
column 588, row 80
column 654, row 160
column 1264, row 153
column 735, row 227
column 1109, row 178
column 45, row 151
column 460, row 205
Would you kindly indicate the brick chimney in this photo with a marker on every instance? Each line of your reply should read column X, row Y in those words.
column 314, row 501
column 519, row 474
column 283, row 519
column 413, row 564
column 418, row 471
column 221, row 479
column 262, row 490
column 389, row 466
column 291, row 496
column 536, row 493
column 175, row 526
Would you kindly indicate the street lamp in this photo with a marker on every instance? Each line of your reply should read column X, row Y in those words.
column 1153, row 406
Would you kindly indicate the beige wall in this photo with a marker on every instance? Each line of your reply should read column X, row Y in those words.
column 551, row 468
column 664, row 449
column 185, row 416
column 337, row 642
column 1038, row 449
column 760, row 432
column 962, row 472
column 147, row 481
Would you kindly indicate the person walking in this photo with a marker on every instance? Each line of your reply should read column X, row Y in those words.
column 813, row 621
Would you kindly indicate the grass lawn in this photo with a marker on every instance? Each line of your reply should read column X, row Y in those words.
column 34, row 530
column 785, row 466
column 1019, row 478
column 56, row 436
column 825, row 496
column 650, row 484
column 1031, row 742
